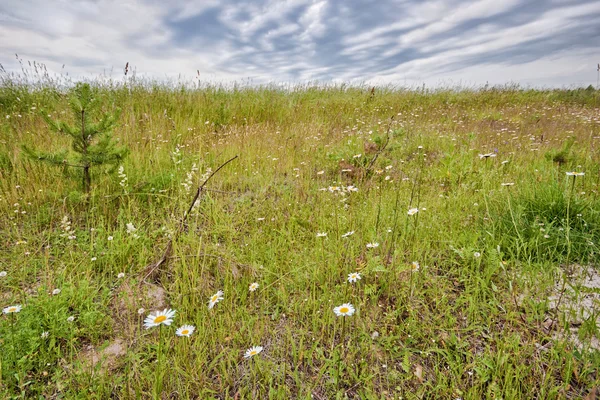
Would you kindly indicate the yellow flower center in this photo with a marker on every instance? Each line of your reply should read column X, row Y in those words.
column 253, row 352
column 12, row 309
column 159, row 319
column 344, row 310
column 214, row 298
column 185, row 332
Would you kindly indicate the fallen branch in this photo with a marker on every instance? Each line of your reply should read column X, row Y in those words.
column 153, row 269
column 382, row 148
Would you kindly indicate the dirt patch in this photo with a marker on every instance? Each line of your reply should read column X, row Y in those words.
column 108, row 356
column 579, row 302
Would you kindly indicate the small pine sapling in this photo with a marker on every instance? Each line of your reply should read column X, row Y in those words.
column 92, row 142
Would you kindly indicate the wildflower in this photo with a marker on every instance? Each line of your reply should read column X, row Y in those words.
column 94, row 258
column 185, row 330
column 345, row 310
column 131, row 230
column 508, row 184
column 12, row 309
column 123, row 176
column 55, row 292
column 353, row 277
column 121, row 275
column 320, row 172
column 413, row 211
column 159, row 317
column 71, row 318
column 321, row 234
column 45, row 335
column 3, row 274
column 345, row 235
column 141, row 311
column 477, row 254
column 487, row 155
column 252, row 351
column 109, row 238
column 215, row 298
column 415, row 266
column 253, row 287
column 372, row 245
column 575, row 173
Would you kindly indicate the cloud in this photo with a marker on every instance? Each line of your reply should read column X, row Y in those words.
column 533, row 42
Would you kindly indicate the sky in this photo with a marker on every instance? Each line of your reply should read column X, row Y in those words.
column 449, row 43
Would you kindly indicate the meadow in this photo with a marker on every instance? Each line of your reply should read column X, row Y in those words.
column 458, row 230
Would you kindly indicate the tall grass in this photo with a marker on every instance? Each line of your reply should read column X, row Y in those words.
column 456, row 327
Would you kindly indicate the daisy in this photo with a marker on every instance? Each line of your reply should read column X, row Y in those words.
column 345, row 310
column 12, row 309
column 55, row 292
column 3, row 274
column 252, row 351
column 508, row 184
column 45, row 334
column 575, row 173
column 215, row 299
column 253, row 287
column 415, row 266
column 413, row 211
column 159, row 317
column 345, row 235
column 321, row 234
column 71, row 318
column 185, row 330
column 477, row 254
column 372, row 245
column 353, row 277
column 487, row 155
column 121, row 275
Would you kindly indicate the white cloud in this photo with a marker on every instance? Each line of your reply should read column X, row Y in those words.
column 292, row 40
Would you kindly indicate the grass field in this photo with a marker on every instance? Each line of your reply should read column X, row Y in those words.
column 472, row 243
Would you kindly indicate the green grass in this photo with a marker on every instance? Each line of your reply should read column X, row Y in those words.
column 468, row 323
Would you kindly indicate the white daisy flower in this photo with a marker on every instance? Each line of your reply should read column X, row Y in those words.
column 413, row 211
column 572, row 173
column 55, row 292
column 415, row 266
column 487, row 155
column 45, row 335
column 185, row 330
column 3, row 274
column 252, row 351
column 321, row 234
column 215, row 298
column 508, row 184
column 12, row 309
column 159, row 317
column 345, row 235
column 121, row 275
column 345, row 310
column 353, row 277
column 372, row 245
column 253, row 287
column 71, row 318
column 477, row 254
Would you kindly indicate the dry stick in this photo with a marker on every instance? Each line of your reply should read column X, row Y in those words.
column 153, row 269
